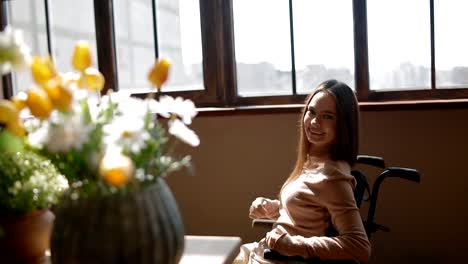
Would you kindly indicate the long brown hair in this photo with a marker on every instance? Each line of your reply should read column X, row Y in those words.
column 346, row 145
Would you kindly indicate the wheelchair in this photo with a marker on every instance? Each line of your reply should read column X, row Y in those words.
column 362, row 193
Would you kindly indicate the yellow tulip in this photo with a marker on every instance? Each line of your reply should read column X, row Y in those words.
column 116, row 169
column 42, row 69
column 92, row 79
column 16, row 128
column 60, row 95
column 159, row 73
column 81, row 56
column 8, row 111
column 39, row 103
column 20, row 100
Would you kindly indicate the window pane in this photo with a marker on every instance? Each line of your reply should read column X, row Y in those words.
column 399, row 44
column 263, row 48
column 28, row 16
column 71, row 21
column 323, row 50
column 134, row 42
column 179, row 39
column 450, row 43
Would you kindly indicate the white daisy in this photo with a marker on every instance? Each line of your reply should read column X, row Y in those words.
column 185, row 109
column 127, row 132
column 181, row 131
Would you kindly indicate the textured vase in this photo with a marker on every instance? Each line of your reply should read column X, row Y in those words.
column 139, row 227
column 25, row 238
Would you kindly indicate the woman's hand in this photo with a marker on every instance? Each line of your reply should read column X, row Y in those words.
column 264, row 208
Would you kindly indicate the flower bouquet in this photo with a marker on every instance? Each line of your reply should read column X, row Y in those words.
column 114, row 151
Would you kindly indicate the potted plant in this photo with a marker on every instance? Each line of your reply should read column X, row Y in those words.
column 114, row 151
column 29, row 183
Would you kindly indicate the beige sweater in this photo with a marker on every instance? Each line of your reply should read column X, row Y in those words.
column 322, row 192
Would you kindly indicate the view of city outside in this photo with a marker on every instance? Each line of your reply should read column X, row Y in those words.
column 262, row 47
column 179, row 40
column 323, row 43
column 25, row 16
column 399, row 45
column 451, row 44
column 73, row 20
column 398, row 33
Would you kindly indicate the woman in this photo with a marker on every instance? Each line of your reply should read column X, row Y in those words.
column 319, row 191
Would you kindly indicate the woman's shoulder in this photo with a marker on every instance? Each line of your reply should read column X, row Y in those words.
column 325, row 171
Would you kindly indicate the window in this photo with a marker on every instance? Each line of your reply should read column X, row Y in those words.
column 177, row 36
column 322, row 49
column 29, row 17
column 451, row 59
column 254, row 52
column 263, row 60
column 399, row 49
column 47, row 29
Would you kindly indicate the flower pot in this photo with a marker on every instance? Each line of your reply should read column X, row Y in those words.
column 25, row 238
column 139, row 227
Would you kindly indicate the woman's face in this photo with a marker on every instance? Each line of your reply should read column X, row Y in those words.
column 320, row 121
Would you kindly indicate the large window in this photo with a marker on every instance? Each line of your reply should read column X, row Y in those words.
column 256, row 52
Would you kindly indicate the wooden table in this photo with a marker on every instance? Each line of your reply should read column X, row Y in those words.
column 204, row 249
column 210, row 249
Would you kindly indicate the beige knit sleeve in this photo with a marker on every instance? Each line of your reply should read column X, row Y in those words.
column 351, row 241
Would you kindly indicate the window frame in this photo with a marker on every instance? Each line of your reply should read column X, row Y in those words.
column 219, row 64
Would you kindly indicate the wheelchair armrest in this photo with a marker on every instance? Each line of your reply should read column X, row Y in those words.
column 404, row 173
column 274, row 255
column 371, row 160
column 263, row 223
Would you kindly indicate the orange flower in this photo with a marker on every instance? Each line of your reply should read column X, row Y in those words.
column 159, row 73
column 116, row 169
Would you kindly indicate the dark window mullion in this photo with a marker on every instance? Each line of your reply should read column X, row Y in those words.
column 361, row 51
column 48, row 28
column 7, row 81
column 293, row 61
column 229, row 81
column 155, row 29
column 105, row 42
column 433, row 67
